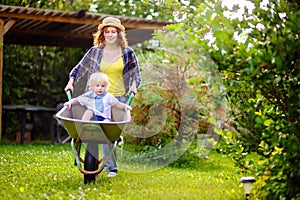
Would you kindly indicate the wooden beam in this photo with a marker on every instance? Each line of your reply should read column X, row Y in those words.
column 72, row 18
column 8, row 25
column 3, row 29
column 50, row 18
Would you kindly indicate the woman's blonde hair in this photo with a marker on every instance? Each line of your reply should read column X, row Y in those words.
column 95, row 78
column 99, row 39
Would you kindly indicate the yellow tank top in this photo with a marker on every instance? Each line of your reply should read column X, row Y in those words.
column 114, row 71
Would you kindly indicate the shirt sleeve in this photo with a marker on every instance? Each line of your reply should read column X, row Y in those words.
column 82, row 66
column 131, row 68
column 89, row 63
column 134, row 68
column 113, row 100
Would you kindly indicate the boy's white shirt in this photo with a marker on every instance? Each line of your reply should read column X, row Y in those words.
column 109, row 100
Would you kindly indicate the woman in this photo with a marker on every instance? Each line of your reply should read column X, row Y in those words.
column 110, row 55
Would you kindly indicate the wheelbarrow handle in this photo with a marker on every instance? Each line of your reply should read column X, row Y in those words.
column 69, row 94
column 130, row 98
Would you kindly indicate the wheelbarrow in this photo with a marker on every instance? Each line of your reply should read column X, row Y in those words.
column 93, row 133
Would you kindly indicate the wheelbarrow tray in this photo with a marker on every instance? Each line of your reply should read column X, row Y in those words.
column 98, row 131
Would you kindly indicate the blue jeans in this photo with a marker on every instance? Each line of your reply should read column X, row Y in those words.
column 112, row 161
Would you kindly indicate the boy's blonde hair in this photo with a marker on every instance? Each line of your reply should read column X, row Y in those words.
column 95, row 78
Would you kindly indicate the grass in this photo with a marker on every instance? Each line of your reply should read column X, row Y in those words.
column 44, row 171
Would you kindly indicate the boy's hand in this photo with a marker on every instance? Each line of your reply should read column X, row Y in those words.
column 127, row 107
column 68, row 104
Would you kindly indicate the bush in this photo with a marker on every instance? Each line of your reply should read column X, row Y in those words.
column 258, row 55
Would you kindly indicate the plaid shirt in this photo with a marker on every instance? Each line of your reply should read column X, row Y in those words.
column 90, row 63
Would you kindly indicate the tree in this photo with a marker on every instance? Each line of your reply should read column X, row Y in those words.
column 149, row 9
column 258, row 56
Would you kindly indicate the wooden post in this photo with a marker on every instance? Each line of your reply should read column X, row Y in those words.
column 3, row 29
column 1, row 67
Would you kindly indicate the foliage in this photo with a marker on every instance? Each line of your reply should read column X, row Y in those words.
column 155, row 111
column 177, row 85
column 36, row 70
column 258, row 55
column 35, row 76
column 144, row 9
column 41, row 171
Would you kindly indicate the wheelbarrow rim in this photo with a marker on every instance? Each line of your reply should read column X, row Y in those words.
column 58, row 115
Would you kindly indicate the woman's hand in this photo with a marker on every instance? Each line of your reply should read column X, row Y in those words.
column 69, row 86
column 133, row 88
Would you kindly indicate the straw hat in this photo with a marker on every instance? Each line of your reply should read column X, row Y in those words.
column 111, row 21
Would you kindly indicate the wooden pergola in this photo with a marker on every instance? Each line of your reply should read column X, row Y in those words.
column 32, row 26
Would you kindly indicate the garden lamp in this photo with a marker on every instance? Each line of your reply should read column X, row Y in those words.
column 247, row 181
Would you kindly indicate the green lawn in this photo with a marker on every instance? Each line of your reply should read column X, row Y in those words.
column 43, row 171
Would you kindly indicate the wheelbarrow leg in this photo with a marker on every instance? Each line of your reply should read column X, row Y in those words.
column 78, row 148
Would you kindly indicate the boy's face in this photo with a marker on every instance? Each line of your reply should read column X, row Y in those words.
column 100, row 88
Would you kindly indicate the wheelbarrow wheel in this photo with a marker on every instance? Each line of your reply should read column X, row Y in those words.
column 91, row 161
